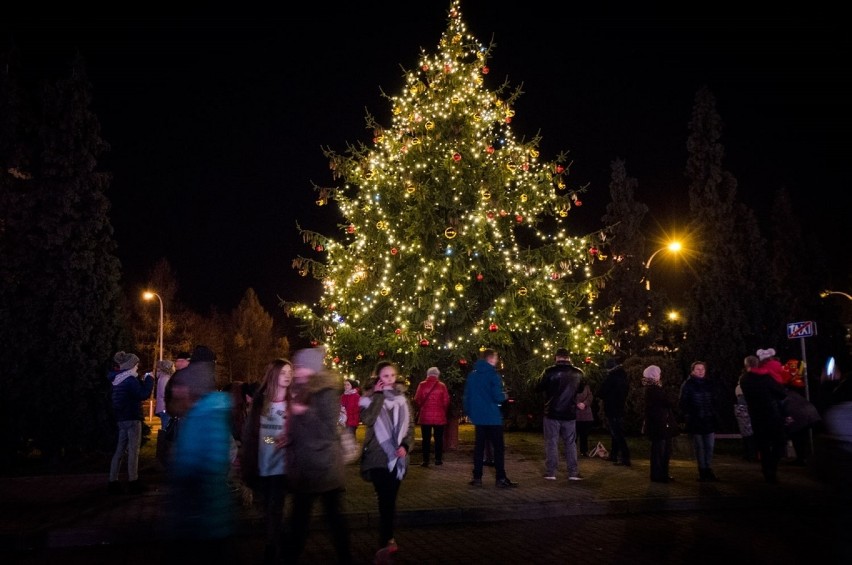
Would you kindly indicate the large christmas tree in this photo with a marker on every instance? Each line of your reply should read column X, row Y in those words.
column 454, row 235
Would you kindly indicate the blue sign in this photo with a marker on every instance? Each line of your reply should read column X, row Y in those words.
column 801, row 329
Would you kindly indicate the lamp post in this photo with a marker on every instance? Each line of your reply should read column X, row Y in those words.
column 826, row 292
column 148, row 295
column 674, row 247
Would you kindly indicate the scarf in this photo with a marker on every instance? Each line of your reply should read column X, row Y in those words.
column 391, row 428
column 123, row 376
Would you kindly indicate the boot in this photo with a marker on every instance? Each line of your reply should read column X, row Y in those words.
column 711, row 476
column 702, row 474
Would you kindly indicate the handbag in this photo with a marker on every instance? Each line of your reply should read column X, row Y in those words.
column 348, row 446
column 599, row 451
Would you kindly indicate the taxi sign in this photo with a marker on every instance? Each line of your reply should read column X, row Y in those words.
column 801, row 329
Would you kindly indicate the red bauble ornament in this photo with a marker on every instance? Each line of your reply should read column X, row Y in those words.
column 519, row 218
column 598, row 332
column 489, row 149
column 336, row 360
column 503, row 213
column 424, row 342
column 397, row 331
column 492, row 327
column 457, row 157
column 350, row 228
column 394, row 250
column 560, row 169
column 424, row 68
column 319, row 247
column 587, row 360
column 525, row 166
column 479, row 277
column 314, row 343
column 578, row 202
column 593, row 251
column 381, row 353
column 463, row 362
column 554, row 276
column 490, row 215
column 447, row 68
column 485, row 70
column 508, row 119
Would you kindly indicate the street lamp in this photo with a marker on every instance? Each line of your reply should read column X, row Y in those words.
column 673, row 246
column 825, row 293
column 148, row 295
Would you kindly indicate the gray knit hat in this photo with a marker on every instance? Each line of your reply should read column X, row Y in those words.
column 125, row 361
column 310, row 359
column 165, row 366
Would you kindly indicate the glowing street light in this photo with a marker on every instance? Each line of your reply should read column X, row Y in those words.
column 673, row 246
column 148, row 295
column 825, row 293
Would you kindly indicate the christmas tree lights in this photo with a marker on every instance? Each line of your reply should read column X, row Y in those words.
column 454, row 235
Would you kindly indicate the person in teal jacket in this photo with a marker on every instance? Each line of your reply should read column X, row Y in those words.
column 483, row 395
column 202, row 506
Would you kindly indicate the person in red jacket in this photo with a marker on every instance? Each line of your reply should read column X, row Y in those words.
column 349, row 404
column 433, row 398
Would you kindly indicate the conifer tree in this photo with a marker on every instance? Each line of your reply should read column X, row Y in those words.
column 455, row 234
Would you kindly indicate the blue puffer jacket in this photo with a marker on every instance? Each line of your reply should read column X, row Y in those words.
column 698, row 405
column 128, row 392
column 483, row 394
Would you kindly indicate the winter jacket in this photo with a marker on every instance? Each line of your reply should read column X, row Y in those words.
column 585, row 396
column 660, row 422
column 203, row 504
column 128, row 392
column 350, row 404
column 483, row 395
column 373, row 456
column 560, row 384
column 433, row 398
column 764, row 396
column 613, row 392
column 774, row 369
column 314, row 457
column 698, row 405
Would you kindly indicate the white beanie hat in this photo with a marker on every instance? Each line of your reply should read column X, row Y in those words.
column 651, row 372
column 764, row 354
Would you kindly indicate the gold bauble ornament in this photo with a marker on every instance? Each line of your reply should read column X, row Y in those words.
column 450, row 233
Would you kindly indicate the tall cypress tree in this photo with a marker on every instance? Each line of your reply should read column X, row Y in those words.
column 60, row 297
column 455, row 234
column 723, row 322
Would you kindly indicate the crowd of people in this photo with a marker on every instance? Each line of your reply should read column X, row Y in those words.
column 279, row 438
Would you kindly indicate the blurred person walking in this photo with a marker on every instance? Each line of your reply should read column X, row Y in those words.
column 202, row 520
column 313, row 453
column 432, row 398
column 128, row 393
column 389, row 424
column 349, row 405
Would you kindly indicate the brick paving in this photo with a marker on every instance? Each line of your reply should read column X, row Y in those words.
column 53, row 513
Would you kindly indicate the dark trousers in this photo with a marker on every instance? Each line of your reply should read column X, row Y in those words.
column 386, row 486
column 493, row 435
column 619, row 441
column 661, row 453
column 426, row 430
column 771, row 447
column 335, row 520
column 584, row 427
column 273, row 490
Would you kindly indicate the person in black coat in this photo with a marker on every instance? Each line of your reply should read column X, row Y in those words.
column 764, row 397
column 613, row 392
column 660, row 424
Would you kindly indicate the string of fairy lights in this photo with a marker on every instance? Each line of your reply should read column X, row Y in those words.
column 433, row 211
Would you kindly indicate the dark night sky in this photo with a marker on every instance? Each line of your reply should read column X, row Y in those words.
column 216, row 121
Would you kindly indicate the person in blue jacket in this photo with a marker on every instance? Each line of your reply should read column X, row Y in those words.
column 128, row 392
column 483, row 395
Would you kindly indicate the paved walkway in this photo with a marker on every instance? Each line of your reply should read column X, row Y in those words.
column 56, row 511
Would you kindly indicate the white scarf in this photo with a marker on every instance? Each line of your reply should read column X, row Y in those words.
column 121, row 377
column 391, row 428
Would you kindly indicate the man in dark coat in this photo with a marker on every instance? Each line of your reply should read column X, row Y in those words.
column 613, row 391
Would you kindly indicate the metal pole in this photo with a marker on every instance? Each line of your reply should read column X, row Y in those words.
column 807, row 390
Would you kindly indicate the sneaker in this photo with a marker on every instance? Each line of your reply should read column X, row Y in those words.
column 475, row 482
column 506, row 483
column 575, row 478
column 550, row 477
